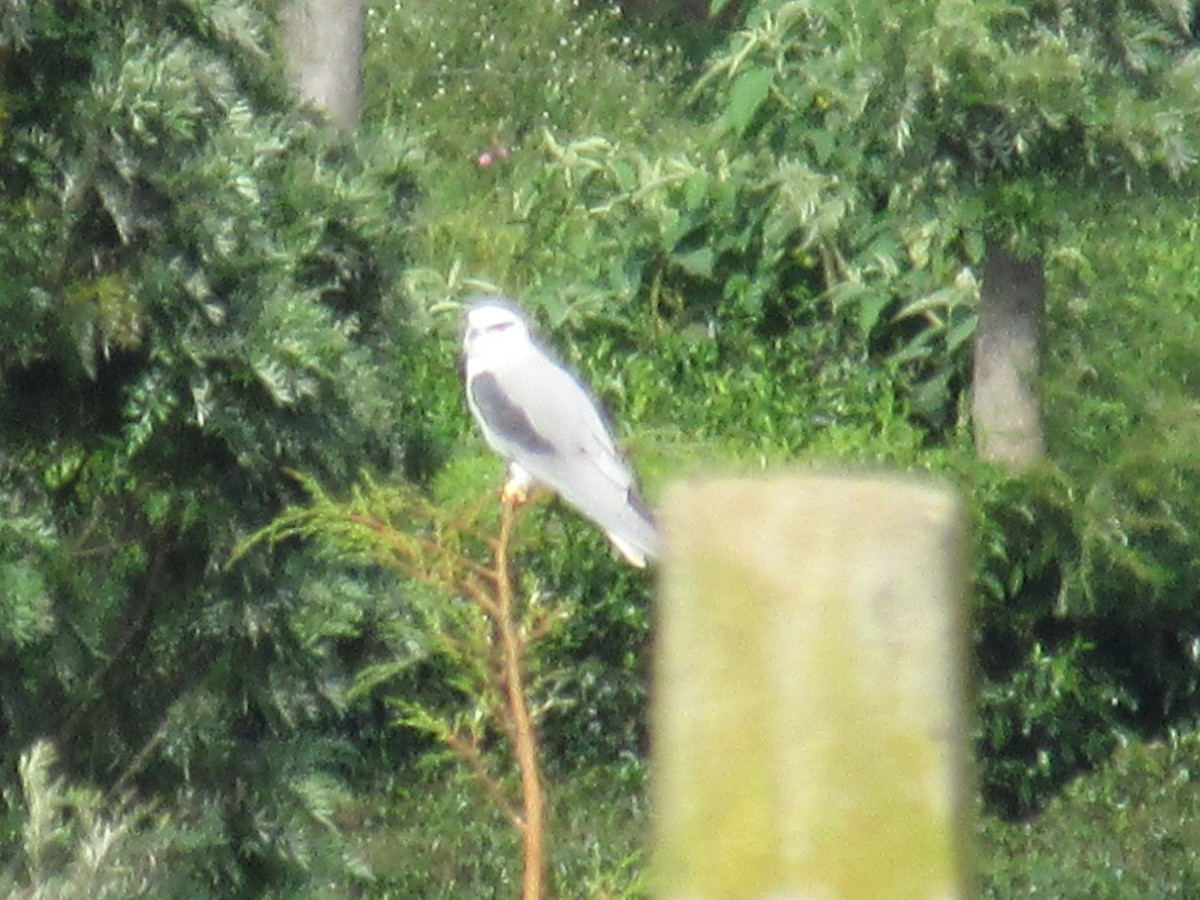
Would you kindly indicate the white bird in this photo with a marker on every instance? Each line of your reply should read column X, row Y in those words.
column 549, row 429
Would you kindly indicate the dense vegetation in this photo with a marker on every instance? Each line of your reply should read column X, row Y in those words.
column 781, row 214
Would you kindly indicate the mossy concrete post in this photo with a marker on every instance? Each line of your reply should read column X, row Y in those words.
column 808, row 725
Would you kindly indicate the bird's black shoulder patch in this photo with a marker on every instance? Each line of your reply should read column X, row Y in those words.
column 504, row 416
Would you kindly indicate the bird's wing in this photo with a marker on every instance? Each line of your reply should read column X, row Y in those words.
column 536, row 414
column 504, row 420
column 539, row 413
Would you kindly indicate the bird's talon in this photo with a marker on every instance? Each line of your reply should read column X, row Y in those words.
column 514, row 493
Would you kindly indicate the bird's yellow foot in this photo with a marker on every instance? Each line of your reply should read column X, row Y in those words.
column 515, row 493
column 518, row 488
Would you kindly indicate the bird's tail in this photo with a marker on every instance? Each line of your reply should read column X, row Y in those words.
column 636, row 534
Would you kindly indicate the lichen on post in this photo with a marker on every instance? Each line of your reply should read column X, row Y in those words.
column 809, row 725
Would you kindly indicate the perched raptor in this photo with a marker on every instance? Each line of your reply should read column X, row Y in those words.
column 541, row 419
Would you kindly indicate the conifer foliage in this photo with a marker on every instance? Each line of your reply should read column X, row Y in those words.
column 196, row 282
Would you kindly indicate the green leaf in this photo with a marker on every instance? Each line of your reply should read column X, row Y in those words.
column 697, row 262
column 871, row 303
column 745, row 97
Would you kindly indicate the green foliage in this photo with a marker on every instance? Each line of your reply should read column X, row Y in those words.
column 795, row 254
column 487, row 79
column 27, row 537
column 477, row 627
column 483, row 73
column 1048, row 702
column 1085, row 588
column 884, row 139
column 76, row 841
column 433, row 625
column 75, row 845
column 1130, row 299
column 200, row 291
column 600, row 819
column 898, row 94
column 848, row 190
column 1126, row 830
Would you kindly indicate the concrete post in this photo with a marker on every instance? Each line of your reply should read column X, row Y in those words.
column 809, row 733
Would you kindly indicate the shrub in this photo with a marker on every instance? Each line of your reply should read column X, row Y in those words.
column 199, row 292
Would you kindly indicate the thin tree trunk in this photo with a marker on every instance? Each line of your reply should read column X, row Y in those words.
column 521, row 726
column 1005, row 408
column 323, row 40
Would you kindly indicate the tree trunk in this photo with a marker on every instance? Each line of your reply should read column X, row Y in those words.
column 323, row 41
column 1012, row 301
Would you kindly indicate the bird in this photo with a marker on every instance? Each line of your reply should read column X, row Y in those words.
column 542, row 420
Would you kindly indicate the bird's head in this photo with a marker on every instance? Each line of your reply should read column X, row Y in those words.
column 493, row 320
